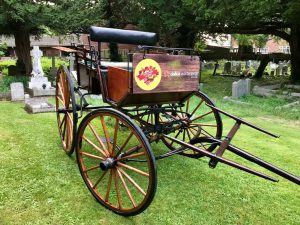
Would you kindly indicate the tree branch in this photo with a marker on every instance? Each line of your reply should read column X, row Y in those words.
column 239, row 30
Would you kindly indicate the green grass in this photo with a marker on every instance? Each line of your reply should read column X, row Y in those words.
column 39, row 184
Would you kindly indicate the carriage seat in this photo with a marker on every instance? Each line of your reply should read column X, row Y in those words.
column 103, row 34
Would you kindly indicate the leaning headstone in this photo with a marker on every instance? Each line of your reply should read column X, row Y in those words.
column 17, row 91
column 241, row 88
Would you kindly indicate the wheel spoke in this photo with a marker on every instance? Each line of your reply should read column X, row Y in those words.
column 108, row 185
column 203, row 125
column 125, row 143
column 132, row 181
column 105, row 134
column 117, row 188
column 201, row 116
column 99, row 179
column 91, row 155
column 62, row 121
column 115, row 136
column 131, row 156
column 94, row 145
column 91, row 168
column 133, row 169
column 197, row 107
column 126, row 188
column 188, row 134
column 61, row 93
column 132, row 150
column 61, row 101
column 187, row 105
column 106, row 153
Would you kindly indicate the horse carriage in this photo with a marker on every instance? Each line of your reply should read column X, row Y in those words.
column 153, row 96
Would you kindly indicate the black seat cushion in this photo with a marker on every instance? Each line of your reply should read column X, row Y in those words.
column 103, row 34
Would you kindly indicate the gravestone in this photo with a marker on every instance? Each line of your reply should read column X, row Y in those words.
column 39, row 84
column 17, row 91
column 238, row 69
column 227, row 68
column 241, row 88
column 71, row 59
column 209, row 66
column 53, row 69
column 38, row 105
column 279, row 69
column 285, row 70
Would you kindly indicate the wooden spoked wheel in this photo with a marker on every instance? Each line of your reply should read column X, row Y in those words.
column 116, row 162
column 200, row 121
column 66, row 109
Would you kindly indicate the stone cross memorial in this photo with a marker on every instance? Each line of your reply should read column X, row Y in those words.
column 241, row 88
column 38, row 81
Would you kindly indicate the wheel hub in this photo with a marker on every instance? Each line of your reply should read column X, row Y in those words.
column 107, row 164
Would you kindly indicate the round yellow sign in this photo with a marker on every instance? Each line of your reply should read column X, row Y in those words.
column 147, row 74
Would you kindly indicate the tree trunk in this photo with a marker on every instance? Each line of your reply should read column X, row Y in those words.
column 22, row 40
column 262, row 66
column 295, row 53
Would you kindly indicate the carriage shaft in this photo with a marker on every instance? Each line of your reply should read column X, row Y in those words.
column 264, row 164
column 221, row 159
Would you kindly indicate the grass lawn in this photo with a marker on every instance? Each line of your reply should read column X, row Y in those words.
column 39, row 184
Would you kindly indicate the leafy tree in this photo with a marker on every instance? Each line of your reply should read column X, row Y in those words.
column 271, row 17
column 3, row 48
column 173, row 21
column 22, row 18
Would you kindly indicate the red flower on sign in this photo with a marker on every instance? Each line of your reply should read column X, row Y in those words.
column 148, row 74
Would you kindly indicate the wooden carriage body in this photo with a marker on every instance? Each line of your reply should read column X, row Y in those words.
column 173, row 78
column 179, row 78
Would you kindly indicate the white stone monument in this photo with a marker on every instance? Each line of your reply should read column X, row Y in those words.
column 17, row 91
column 39, row 84
column 38, row 81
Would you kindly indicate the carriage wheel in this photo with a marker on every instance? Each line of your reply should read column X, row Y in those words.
column 116, row 162
column 66, row 109
column 200, row 120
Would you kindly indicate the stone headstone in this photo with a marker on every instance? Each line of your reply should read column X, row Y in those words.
column 238, row 69
column 53, row 69
column 227, row 68
column 17, row 91
column 241, row 88
column 209, row 66
column 285, row 70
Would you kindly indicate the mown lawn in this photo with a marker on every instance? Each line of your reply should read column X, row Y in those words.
column 39, row 184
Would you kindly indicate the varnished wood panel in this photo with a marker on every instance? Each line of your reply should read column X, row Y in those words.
column 117, row 83
column 180, row 73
